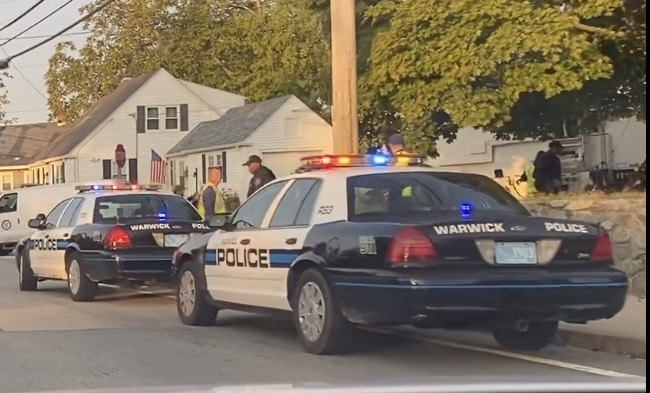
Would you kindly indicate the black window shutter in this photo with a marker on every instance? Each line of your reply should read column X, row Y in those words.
column 63, row 172
column 106, row 166
column 140, row 120
column 203, row 168
column 185, row 123
column 223, row 167
column 133, row 170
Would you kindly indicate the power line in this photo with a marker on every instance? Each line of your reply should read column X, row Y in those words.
column 5, row 63
column 19, row 17
column 31, row 37
column 37, row 22
column 24, row 77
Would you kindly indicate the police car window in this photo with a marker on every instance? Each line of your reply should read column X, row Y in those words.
column 8, row 202
column 293, row 202
column 55, row 214
column 252, row 212
column 71, row 212
column 414, row 195
column 121, row 208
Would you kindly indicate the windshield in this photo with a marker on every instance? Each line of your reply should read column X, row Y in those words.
column 399, row 196
column 124, row 208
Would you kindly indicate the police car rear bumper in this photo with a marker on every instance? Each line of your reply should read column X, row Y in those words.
column 447, row 297
column 140, row 265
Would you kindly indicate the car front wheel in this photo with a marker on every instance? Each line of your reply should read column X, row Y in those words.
column 538, row 335
column 191, row 303
column 26, row 279
column 319, row 323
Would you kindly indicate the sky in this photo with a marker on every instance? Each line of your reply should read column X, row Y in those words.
column 28, row 104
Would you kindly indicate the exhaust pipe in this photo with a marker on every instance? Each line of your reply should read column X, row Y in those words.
column 522, row 325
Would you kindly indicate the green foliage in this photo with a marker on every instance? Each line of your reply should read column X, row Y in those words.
column 3, row 99
column 257, row 49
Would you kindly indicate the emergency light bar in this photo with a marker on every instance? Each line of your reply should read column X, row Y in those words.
column 119, row 187
column 360, row 160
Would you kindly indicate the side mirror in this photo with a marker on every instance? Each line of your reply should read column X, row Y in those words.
column 36, row 223
column 217, row 221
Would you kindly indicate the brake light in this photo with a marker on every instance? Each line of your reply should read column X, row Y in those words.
column 117, row 238
column 411, row 247
column 602, row 251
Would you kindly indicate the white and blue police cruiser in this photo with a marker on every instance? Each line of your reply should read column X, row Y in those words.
column 356, row 240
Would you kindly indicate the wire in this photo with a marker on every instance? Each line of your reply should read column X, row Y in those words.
column 24, row 77
column 37, row 22
column 31, row 37
column 5, row 63
column 19, row 17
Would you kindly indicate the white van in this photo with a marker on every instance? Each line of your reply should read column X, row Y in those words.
column 18, row 206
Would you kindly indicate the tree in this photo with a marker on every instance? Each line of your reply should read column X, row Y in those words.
column 473, row 59
column 254, row 48
column 3, row 99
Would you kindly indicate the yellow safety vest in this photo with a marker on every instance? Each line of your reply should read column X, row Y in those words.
column 219, row 201
column 529, row 169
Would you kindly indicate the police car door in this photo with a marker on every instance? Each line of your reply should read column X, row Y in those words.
column 234, row 262
column 286, row 230
column 43, row 245
column 60, row 236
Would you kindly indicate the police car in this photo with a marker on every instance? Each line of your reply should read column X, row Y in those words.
column 113, row 234
column 358, row 240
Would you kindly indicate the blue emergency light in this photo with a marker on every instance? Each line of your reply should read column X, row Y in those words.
column 466, row 209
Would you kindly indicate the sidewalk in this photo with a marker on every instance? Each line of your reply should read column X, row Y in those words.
column 623, row 334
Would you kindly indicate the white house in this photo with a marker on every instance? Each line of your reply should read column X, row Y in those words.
column 153, row 111
column 280, row 131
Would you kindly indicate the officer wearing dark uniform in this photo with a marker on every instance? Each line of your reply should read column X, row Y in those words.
column 261, row 174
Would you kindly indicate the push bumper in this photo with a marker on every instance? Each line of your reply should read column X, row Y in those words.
column 456, row 297
column 135, row 266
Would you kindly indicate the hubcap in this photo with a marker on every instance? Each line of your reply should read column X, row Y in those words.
column 311, row 311
column 187, row 293
column 74, row 276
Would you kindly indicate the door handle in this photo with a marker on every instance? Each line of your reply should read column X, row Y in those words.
column 292, row 240
column 245, row 241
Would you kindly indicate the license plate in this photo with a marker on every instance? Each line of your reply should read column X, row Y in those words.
column 175, row 240
column 515, row 253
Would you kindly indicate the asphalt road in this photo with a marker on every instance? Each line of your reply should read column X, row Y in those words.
column 125, row 339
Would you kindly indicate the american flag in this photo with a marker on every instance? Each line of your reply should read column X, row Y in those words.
column 158, row 168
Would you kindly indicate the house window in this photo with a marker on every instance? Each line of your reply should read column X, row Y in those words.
column 7, row 182
column 214, row 161
column 171, row 118
column 106, row 169
column 152, row 118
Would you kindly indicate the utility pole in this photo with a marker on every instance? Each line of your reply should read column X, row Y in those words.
column 344, row 77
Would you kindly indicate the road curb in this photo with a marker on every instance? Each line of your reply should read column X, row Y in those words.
column 632, row 347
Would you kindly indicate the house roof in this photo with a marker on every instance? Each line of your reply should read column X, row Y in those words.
column 74, row 134
column 235, row 126
column 22, row 144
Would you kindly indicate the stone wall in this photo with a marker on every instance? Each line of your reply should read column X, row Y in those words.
column 622, row 215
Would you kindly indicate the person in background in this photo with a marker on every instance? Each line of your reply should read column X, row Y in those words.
column 211, row 201
column 178, row 190
column 529, row 174
column 396, row 144
column 261, row 174
column 548, row 169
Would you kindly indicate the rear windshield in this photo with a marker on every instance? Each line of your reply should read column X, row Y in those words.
column 129, row 207
column 410, row 196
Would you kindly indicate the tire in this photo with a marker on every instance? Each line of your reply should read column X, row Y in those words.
column 26, row 279
column 192, row 305
column 80, row 287
column 336, row 333
column 538, row 336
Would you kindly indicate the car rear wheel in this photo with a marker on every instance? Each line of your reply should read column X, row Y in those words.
column 191, row 303
column 81, row 288
column 26, row 279
column 319, row 323
column 538, row 335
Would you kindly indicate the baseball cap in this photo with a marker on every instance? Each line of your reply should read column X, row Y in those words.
column 253, row 158
column 396, row 139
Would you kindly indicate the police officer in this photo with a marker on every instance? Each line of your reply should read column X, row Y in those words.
column 396, row 144
column 211, row 201
column 261, row 174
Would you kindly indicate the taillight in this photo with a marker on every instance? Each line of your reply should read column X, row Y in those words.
column 411, row 247
column 602, row 251
column 117, row 237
